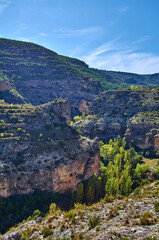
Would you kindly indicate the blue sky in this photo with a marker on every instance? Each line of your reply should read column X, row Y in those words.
column 120, row 35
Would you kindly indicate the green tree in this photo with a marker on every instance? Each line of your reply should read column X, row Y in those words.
column 79, row 194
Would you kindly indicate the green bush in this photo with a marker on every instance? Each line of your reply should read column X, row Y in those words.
column 156, row 206
column 14, row 119
column 19, row 130
column 46, row 231
column 36, row 214
column 40, row 135
column 93, row 221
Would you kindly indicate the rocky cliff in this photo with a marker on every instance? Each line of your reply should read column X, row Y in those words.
column 112, row 113
column 39, row 150
column 143, row 131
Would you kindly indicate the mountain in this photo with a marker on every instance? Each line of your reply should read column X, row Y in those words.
column 30, row 73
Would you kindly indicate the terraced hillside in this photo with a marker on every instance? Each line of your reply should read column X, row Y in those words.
column 30, row 73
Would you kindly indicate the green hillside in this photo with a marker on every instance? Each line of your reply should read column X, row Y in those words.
column 31, row 73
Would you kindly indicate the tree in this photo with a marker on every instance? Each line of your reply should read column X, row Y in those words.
column 79, row 194
column 90, row 191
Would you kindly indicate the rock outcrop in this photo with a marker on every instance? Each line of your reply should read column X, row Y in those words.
column 133, row 114
column 143, row 131
column 135, row 217
column 39, row 150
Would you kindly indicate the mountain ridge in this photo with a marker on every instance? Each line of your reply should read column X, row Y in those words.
column 30, row 73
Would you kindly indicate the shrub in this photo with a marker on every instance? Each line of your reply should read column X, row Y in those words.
column 156, row 206
column 93, row 221
column 14, row 119
column 70, row 215
column 153, row 238
column 26, row 234
column 36, row 214
column 145, row 218
column 40, row 135
column 46, row 231
column 52, row 209
column 19, row 130
column 157, row 154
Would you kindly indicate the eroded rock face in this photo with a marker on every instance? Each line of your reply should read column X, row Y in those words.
column 143, row 136
column 124, row 113
column 4, row 86
column 156, row 142
column 39, row 150
column 45, row 173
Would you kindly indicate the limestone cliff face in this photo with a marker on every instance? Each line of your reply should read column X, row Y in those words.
column 45, row 173
column 39, row 150
column 126, row 113
column 143, row 135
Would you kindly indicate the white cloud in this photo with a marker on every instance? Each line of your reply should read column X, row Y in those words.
column 3, row 4
column 43, row 34
column 75, row 32
column 114, row 56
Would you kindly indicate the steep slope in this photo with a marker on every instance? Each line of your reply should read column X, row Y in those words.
column 33, row 74
column 39, row 150
column 136, row 217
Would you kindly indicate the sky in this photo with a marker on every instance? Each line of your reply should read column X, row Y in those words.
column 120, row 35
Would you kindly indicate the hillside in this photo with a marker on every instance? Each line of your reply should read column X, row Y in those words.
column 30, row 73
column 135, row 217
column 39, row 150
column 124, row 78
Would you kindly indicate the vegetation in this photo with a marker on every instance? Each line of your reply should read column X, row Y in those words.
column 93, row 221
column 16, row 209
column 121, row 171
column 27, row 57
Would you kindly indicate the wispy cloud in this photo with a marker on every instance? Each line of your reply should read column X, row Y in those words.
column 75, row 32
column 43, row 34
column 115, row 56
column 123, row 9
column 3, row 5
